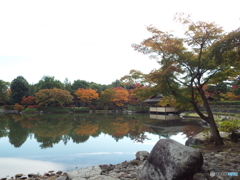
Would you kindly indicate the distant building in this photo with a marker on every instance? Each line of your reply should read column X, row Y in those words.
column 155, row 108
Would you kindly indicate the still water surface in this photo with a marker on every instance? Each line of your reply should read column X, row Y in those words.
column 33, row 143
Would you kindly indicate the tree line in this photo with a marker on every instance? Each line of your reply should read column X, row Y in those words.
column 50, row 92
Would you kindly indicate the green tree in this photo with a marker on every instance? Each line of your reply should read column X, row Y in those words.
column 49, row 82
column 80, row 84
column 53, row 97
column 116, row 83
column 106, row 97
column 4, row 92
column 32, row 89
column 98, row 87
column 67, row 85
column 19, row 88
column 187, row 64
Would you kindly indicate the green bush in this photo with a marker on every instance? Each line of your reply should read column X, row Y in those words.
column 229, row 126
column 80, row 109
column 56, row 109
column 30, row 109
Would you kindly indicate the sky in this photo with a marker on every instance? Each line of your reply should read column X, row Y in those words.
column 91, row 40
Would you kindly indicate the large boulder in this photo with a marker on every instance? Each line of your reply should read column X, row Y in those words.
column 170, row 160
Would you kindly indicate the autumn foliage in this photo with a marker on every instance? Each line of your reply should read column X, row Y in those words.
column 28, row 100
column 53, row 97
column 18, row 107
column 120, row 96
column 86, row 95
column 86, row 128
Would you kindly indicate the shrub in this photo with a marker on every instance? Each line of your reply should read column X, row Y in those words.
column 229, row 126
column 9, row 107
column 81, row 109
column 30, row 109
column 18, row 107
column 33, row 106
column 56, row 109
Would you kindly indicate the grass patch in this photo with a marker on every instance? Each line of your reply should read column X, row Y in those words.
column 79, row 109
column 55, row 110
column 30, row 109
column 190, row 114
column 197, row 146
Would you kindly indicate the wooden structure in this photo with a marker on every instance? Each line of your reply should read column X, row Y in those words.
column 154, row 108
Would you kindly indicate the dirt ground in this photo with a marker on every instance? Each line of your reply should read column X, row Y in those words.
column 228, row 146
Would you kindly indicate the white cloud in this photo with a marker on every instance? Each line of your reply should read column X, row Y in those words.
column 91, row 40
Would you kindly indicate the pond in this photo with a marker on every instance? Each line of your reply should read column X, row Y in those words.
column 40, row 143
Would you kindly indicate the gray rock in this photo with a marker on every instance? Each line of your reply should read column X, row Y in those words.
column 141, row 155
column 100, row 177
column 82, row 174
column 170, row 160
column 199, row 176
column 224, row 119
column 61, row 178
column 192, row 141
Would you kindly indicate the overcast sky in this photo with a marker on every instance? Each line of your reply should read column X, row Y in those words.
column 91, row 39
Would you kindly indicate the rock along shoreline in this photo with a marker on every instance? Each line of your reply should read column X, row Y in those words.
column 221, row 161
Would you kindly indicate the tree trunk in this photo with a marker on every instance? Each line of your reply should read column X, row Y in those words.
column 214, row 132
column 209, row 118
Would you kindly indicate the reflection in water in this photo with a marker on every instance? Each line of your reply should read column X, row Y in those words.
column 51, row 129
column 12, row 166
column 80, row 140
column 164, row 117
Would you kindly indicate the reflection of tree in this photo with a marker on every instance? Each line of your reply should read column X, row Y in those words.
column 26, row 123
column 17, row 118
column 17, row 135
column 48, row 142
column 86, row 128
column 77, row 138
column 115, row 126
column 137, row 131
column 140, row 137
column 166, row 136
column 191, row 131
column 65, row 139
column 3, row 126
column 52, row 128
column 117, row 138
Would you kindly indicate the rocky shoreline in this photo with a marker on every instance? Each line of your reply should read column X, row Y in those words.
column 215, row 163
column 220, row 161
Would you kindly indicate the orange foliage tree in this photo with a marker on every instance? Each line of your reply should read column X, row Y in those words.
column 28, row 100
column 86, row 95
column 230, row 96
column 120, row 96
column 138, row 94
column 18, row 107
